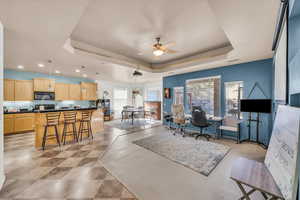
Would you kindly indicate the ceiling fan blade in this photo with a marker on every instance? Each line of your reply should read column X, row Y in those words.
column 170, row 51
column 169, row 44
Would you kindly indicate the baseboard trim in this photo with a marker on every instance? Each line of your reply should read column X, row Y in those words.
column 2, row 180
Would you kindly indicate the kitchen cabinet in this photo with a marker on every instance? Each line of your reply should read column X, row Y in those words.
column 9, row 90
column 14, row 123
column 88, row 91
column 8, row 123
column 23, row 90
column 74, row 92
column 62, row 92
column 23, row 122
column 44, row 85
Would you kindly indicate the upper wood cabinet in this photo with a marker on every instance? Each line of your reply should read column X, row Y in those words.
column 9, row 90
column 44, row 85
column 62, row 92
column 74, row 92
column 23, row 90
column 88, row 91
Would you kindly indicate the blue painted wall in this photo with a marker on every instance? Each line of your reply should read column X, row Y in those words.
column 21, row 75
column 258, row 71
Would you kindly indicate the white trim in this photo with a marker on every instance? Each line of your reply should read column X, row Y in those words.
column 204, row 78
column 233, row 82
column 2, row 180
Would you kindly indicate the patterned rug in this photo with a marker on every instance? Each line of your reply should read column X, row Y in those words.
column 201, row 156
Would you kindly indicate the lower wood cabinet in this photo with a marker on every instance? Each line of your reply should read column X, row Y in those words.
column 8, row 123
column 14, row 123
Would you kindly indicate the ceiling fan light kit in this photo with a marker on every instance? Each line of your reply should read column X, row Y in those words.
column 158, row 52
column 160, row 49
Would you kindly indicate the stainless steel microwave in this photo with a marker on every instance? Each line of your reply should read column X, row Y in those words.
column 44, row 96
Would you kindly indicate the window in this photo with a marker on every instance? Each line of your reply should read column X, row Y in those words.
column 153, row 94
column 178, row 95
column 204, row 92
column 233, row 94
column 120, row 99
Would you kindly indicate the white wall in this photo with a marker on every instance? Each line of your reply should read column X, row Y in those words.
column 2, row 177
column 109, row 86
column 153, row 85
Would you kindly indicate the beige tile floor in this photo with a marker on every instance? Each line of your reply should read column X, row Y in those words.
column 71, row 172
column 153, row 177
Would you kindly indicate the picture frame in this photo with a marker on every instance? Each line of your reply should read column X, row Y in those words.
column 167, row 93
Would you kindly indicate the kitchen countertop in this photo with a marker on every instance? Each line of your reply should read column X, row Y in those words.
column 54, row 110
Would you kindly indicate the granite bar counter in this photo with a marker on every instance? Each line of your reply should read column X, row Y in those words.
column 97, row 124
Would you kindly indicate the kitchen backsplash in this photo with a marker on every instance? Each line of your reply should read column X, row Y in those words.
column 58, row 104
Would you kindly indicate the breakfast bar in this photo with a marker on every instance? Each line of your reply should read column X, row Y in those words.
column 40, row 124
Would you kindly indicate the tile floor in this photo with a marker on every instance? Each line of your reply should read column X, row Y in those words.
column 71, row 172
column 150, row 176
column 98, row 169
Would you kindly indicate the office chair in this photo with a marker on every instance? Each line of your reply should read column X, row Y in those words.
column 178, row 118
column 199, row 120
column 196, row 108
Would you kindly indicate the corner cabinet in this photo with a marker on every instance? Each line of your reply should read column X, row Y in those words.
column 9, row 90
column 17, row 123
column 43, row 85
column 18, row 90
column 88, row 91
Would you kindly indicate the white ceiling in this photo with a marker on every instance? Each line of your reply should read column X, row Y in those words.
column 108, row 36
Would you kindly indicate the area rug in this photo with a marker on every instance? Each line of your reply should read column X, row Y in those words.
column 201, row 156
column 138, row 125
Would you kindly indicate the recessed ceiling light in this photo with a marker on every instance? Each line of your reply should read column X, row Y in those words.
column 41, row 65
column 140, row 53
column 77, row 70
column 57, row 72
column 84, row 75
column 20, row 67
column 97, row 73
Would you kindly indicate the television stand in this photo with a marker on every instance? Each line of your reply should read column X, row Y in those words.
column 257, row 121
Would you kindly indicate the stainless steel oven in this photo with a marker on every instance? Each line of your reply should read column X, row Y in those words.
column 44, row 96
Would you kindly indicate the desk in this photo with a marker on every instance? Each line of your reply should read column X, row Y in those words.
column 257, row 177
column 216, row 121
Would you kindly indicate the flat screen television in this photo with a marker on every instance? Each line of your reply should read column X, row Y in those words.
column 256, row 105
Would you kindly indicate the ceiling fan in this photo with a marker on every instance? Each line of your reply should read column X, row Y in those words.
column 137, row 73
column 159, row 49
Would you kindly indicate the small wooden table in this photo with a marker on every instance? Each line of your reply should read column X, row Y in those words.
column 256, row 176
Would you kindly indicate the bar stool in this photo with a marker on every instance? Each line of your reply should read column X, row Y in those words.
column 86, row 117
column 52, row 120
column 69, row 120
